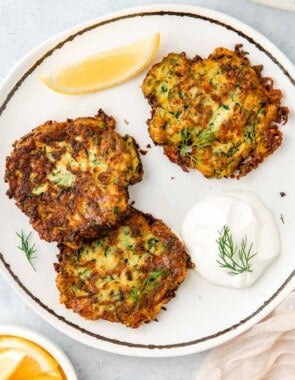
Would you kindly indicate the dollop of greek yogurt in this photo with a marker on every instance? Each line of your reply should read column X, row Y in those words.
column 248, row 219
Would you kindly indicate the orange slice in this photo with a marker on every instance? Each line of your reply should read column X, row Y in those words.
column 105, row 69
column 21, row 359
column 10, row 359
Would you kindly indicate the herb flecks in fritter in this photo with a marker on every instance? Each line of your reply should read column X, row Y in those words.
column 126, row 275
column 71, row 177
column 216, row 115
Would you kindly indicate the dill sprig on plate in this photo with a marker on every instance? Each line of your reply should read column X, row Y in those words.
column 235, row 259
column 27, row 248
column 282, row 218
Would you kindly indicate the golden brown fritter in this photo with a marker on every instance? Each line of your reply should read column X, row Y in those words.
column 126, row 275
column 71, row 178
column 217, row 115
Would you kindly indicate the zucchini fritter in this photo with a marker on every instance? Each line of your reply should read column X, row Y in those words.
column 217, row 115
column 126, row 275
column 71, row 178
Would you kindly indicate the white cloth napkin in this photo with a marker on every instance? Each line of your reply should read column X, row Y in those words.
column 265, row 352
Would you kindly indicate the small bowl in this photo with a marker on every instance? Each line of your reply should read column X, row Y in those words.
column 46, row 344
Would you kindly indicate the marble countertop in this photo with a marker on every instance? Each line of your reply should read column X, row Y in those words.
column 25, row 24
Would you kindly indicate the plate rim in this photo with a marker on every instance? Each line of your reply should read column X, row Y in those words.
column 108, row 344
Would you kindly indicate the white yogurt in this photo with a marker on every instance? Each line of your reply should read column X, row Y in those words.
column 245, row 215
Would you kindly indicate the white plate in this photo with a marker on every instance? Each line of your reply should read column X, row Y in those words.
column 202, row 315
column 287, row 5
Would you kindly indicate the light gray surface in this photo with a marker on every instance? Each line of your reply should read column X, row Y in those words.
column 25, row 24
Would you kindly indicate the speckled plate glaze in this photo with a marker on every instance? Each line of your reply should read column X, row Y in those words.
column 202, row 315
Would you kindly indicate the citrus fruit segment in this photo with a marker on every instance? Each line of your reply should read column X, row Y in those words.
column 9, row 362
column 52, row 375
column 25, row 360
column 105, row 69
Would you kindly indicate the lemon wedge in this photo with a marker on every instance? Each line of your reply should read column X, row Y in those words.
column 105, row 69
column 10, row 359
column 21, row 359
column 48, row 376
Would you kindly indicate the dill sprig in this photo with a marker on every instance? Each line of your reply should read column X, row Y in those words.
column 26, row 247
column 134, row 294
column 235, row 259
column 205, row 138
column 186, row 145
column 187, row 142
column 149, row 284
